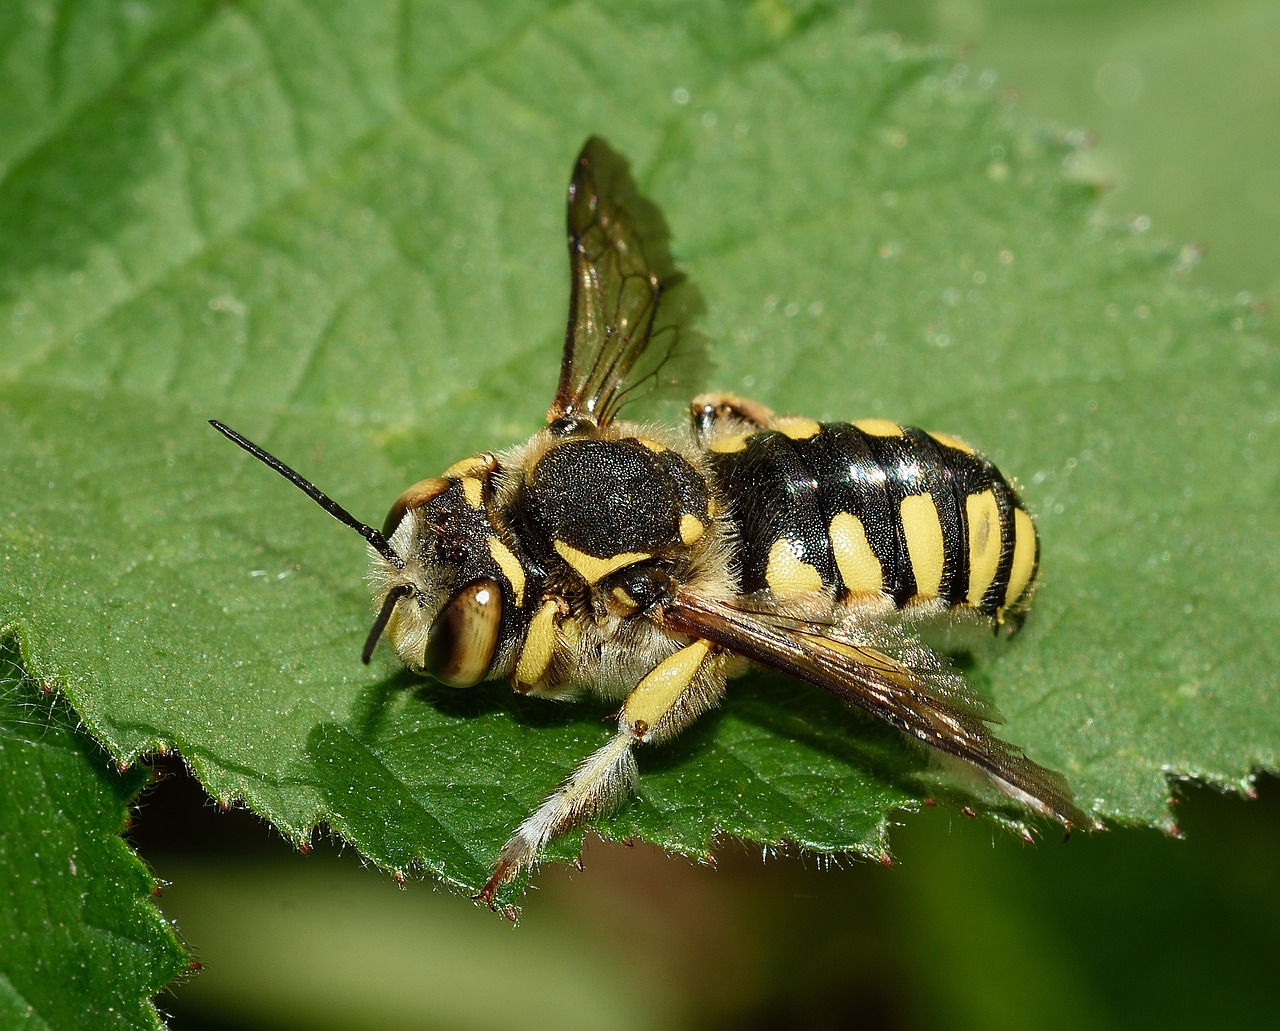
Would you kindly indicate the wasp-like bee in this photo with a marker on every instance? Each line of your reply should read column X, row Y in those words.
column 650, row 565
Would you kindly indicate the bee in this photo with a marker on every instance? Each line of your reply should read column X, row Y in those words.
column 649, row 565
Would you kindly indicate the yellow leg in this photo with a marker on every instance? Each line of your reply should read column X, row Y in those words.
column 669, row 697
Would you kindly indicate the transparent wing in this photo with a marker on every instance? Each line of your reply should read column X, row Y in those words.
column 623, row 326
column 912, row 690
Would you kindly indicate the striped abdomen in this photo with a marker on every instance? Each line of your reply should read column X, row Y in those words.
column 876, row 508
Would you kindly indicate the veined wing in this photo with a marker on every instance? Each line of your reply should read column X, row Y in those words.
column 922, row 698
column 619, row 334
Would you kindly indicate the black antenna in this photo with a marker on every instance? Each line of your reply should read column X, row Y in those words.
column 384, row 617
column 374, row 537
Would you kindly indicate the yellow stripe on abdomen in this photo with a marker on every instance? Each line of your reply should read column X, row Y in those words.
column 859, row 568
column 1024, row 557
column 787, row 573
column 983, row 516
column 922, row 530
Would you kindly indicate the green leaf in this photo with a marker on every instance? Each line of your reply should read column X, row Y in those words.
column 84, row 945
column 338, row 228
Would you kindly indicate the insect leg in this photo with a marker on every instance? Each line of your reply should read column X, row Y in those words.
column 547, row 651
column 670, row 696
column 720, row 413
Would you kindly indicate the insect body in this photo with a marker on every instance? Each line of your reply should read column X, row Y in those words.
column 650, row 565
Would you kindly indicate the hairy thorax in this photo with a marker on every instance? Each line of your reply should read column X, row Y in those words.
column 612, row 522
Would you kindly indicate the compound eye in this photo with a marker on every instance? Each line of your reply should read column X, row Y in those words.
column 464, row 637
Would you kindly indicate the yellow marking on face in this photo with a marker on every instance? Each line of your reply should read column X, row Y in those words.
column 787, row 574
column 510, row 566
column 691, row 528
column 730, row 444
column 473, row 491
column 539, row 647
column 651, row 444
column 879, row 427
column 473, row 465
column 859, row 568
column 923, row 532
column 658, row 691
column 1024, row 556
column 947, row 440
column 984, row 543
column 593, row 569
column 797, row 427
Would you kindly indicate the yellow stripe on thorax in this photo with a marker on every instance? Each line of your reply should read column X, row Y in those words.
column 593, row 569
column 691, row 528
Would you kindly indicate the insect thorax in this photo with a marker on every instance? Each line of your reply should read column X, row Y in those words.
column 603, row 504
column 609, row 523
column 615, row 522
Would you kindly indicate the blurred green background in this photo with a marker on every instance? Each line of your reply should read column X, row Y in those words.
column 969, row 929
column 1180, row 98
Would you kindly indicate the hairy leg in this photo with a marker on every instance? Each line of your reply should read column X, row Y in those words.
column 671, row 696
